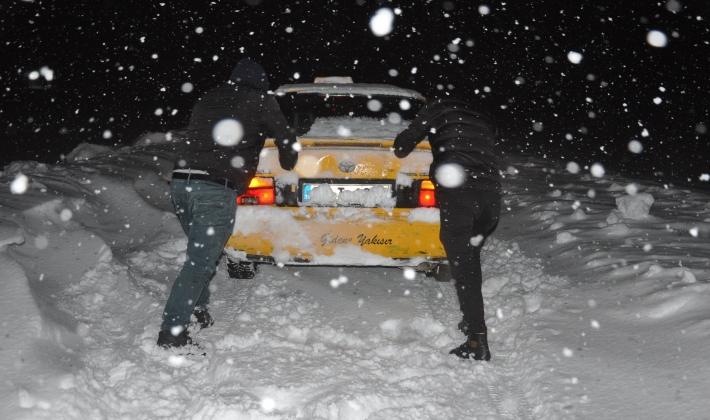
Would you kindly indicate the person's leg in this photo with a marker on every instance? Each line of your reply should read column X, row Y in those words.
column 202, row 315
column 179, row 189
column 181, row 201
column 221, row 237
column 467, row 216
column 210, row 209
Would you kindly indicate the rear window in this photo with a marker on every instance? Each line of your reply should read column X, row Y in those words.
column 303, row 110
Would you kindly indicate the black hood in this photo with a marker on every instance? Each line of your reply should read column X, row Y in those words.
column 251, row 72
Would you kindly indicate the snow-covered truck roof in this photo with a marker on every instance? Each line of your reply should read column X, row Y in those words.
column 363, row 89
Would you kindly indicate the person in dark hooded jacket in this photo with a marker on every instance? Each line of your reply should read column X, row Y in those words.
column 467, row 180
column 214, row 165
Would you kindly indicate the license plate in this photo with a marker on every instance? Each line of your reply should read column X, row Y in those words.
column 322, row 192
column 338, row 188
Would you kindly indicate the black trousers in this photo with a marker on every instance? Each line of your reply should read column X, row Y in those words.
column 468, row 216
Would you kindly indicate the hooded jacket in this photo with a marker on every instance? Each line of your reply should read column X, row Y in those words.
column 234, row 154
column 457, row 134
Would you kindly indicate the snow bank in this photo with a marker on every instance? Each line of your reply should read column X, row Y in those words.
column 585, row 311
column 10, row 233
column 638, row 279
column 635, row 206
column 54, row 238
column 86, row 151
column 24, row 166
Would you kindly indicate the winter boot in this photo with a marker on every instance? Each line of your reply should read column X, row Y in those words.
column 476, row 348
column 204, row 319
column 167, row 340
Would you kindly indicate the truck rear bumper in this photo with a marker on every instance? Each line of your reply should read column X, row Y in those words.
column 336, row 236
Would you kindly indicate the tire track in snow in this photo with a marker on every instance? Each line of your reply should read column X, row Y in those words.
column 509, row 399
column 239, row 290
column 374, row 347
column 511, row 294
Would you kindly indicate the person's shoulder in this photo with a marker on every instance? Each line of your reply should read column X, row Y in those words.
column 444, row 103
column 453, row 101
column 269, row 99
column 219, row 90
column 461, row 103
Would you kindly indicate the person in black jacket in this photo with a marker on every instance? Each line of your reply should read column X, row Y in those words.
column 213, row 167
column 467, row 180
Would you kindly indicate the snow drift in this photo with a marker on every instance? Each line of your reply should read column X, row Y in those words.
column 596, row 306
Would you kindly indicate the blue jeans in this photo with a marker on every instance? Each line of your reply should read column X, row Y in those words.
column 206, row 211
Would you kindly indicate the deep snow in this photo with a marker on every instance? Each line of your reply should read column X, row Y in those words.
column 596, row 305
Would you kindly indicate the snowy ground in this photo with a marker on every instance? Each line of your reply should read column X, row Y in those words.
column 596, row 309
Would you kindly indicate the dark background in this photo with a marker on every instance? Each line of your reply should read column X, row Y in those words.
column 115, row 63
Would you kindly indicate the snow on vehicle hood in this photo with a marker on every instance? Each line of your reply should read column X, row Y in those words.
column 319, row 158
column 355, row 128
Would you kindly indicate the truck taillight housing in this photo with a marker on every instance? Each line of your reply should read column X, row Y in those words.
column 260, row 191
column 426, row 194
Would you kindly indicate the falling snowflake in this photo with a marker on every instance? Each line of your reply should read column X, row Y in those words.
column 635, row 146
column 374, row 105
column 227, row 132
column 450, row 175
column 597, row 170
column 657, row 39
column 19, row 184
column 187, row 87
column 382, row 22
column 574, row 57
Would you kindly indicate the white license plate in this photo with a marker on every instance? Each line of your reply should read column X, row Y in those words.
column 338, row 188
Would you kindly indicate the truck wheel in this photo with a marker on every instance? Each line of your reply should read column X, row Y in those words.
column 241, row 269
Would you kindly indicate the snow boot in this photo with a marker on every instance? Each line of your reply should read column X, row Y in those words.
column 476, row 348
column 204, row 319
column 167, row 340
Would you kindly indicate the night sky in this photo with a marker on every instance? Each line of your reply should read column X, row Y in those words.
column 113, row 64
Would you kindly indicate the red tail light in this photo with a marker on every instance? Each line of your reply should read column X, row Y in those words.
column 426, row 194
column 260, row 191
